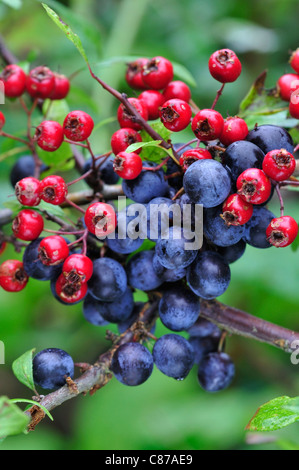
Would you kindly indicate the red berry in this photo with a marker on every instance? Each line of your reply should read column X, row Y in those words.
column 287, row 84
column 12, row 276
column 236, row 211
column 54, row 190
column 282, row 231
column 234, row 129
column 78, row 126
column 40, row 82
column 177, row 89
column 100, row 219
column 294, row 60
column 77, row 268
column 61, row 88
column 125, row 119
column 294, row 104
column 225, row 66
column 279, row 164
column 207, row 125
column 134, row 74
column 175, row 115
column 28, row 191
column 153, row 100
column 123, row 138
column 254, row 186
column 14, row 80
column 127, row 165
column 28, row 225
column 70, row 293
column 49, row 136
column 192, row 155
column 2, row 120
column 2, row 247
column 53, row 250
column 157, row 73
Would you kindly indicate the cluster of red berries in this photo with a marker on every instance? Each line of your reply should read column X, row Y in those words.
column 288, row 86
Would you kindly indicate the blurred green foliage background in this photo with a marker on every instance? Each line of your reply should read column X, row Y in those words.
column 162, row 413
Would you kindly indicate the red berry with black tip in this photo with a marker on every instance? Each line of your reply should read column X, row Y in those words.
column 49, row 136
column 225, row 66
column 287, row 84
column 191, row 156
column 236, row 211
column 77, row 268
column 28, row 225
column 100, row 219
column 40, row 82
column 13, row 277
column 153, row 100
column 127, row 165
column 294, row 104
column 157, row 73
column 61, row 88
column 234, row 129
column 14, row 79
column 176, row 115
column 78, row 126
column 70, row 293
column 54, row 190
column 279, row 164
column 294, row 60
column 53, row 250
column 254, row 186
column 2, row 120
column 29, row 191
column 177, row 89
column 282, row 231
column 207, row 125
column 126, row 119
column 123, row 138
column 134, row 74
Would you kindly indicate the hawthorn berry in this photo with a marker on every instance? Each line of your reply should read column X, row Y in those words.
column 234, row 129
column 294, row 60
column 61, row 88
column 29, row 191
column 28, row 225
column 225, row 66
column 192, row 155
column 279, row 164
column 40, row 82
column 13, row 277
column 254, row 186
column 77, row 268
column 287, row 84
column 53, row 190
column 177, row 89
column 14, row 79
column 282, row 231
column 49, row 136
column 70, row 293
column 127, row 165
column 134, row 74
column 175, row 115
column 157, row 73
column 53, row 250
column 153, row 100
column 126, row 119
column 207, row 125
column 100, row 219
column 78, row 126
column 123, row 138
column 236, row 211
column 2, row 120
column 294, row 104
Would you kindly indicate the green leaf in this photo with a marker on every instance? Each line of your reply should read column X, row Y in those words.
column 54, row 210
column 295, row 244
column 58, row 158
column 12, row 420
column 22, row 368
column 31, row 402
column 183, row 74
column 16, row 4
column 138, row 145
column 155, row 154
column 56, row 110
column 275, row 414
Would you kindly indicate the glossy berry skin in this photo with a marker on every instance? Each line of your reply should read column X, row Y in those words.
column 132, row 364
column 40, row 82
column 233, row 253
column 255, row 229
column 203, row 328
column 105, row 172
column 157, row 73
column 126, row 120
column 100, row 219
column 279, row 164
column 241, row 155
column 168, row 275
column 179, row 308
column 203, row 346
column 234, row 129
column 254, row 186
column 127, row 165
column 109, row 280
column 13, row 277
column 34, row 267
column 29, row 191
column 23, row 168
column 125, row 240
column 287, row 84
column 191, row 156
column 236, row 211
column 53, row 250
column 218, row 232
column 282, row 231
column 294, row 104
column 134, row 74
column 123, row 138
column 147, row 186
column 77, row 268
column 153, row 100
column 2, row 120
column 269, row 137
column 78, row 126
column 141, row 273
column 174, row 356
column 175, row 115
column 171, row 251
column 207, row 124
column 294, row 60
column 70, row 293
column 51, row 367
column 49, row 136
column 14, row 79
column 225, row 66
column 54, row 190
column 95, row 311
column 216, row 372
column 177, row 89
column 61, row 88
column 28, row 225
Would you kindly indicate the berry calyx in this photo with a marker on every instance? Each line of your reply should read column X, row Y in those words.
column 134, row 74
column 70, row 293
column 49, row 136
column 61, row 88
column 28, row 191
column 225, row 66
column 53, row 250
column 234, row 129
column 12, row 276
column 100, row 219
column 207, row 125
column 254, row 186
column 123, row 138
column 78, row 126
column 282, row 231
column 127, row 165
column 153, row 100
column 2, row 120
column 53, row 190
column 236, row 211
column 175, row 115
column 287, row 84
column 40, row 82
column 14, row 79
column 126, row 119
column 28, row 225
column 77, row 268
column 157, row 73
column 294, row 104
column 279, row 164
column 294, row 60
column 192, row 155
column 177, row 89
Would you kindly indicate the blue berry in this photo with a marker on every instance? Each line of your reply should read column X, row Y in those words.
column 234, row 252
column 203, row 346
column 255, row 229
column 174, row 356
column 24, row 167
column 51, row 367
column 159, row 217
column 203, row 328
column 106, row 172
column 35, row 268
column 269, row 137
column 241, row 155
column 124, row 240
column 172, row 252
column 141, row 273
column 132, row 364
column 124, row 325
column 177, row 181
column 168, row 275
column 113, row 312
column 109, row 280
column 216, row 230
column 147, row 186
column 179, row 308
column 216, row 372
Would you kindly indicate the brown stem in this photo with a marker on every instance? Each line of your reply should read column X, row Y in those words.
column 6, row 54
column 219, row 93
